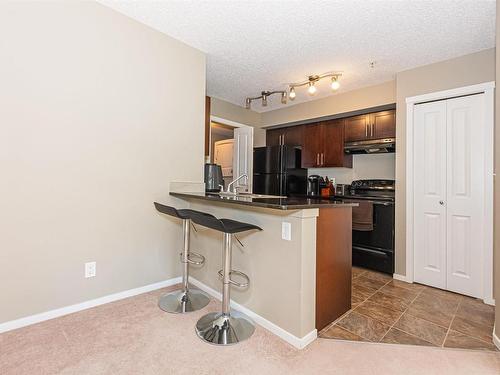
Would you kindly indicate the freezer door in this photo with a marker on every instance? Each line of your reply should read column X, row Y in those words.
column 267, row 159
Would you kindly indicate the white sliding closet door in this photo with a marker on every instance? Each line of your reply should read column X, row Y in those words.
column 449, row 221
column 465, row 194
column 430, row 193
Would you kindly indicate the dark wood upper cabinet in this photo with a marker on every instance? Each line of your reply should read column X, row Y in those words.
column 371, row 126
column 324, row 145
column 291, row 136
column 333, row 148
column 356, row 128
column 273, row 137
column 312, row 146
column 384, row 124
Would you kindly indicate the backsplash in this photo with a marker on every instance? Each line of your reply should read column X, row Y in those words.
column 364, row 166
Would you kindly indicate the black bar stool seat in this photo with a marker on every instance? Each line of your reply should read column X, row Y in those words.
column 186, row 299
column 226, row 327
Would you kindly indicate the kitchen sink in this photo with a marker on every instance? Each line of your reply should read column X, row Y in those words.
column 246, row 195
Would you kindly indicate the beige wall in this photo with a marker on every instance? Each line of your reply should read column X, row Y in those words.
column 97, row 112
column 466, row 70
column 367, row 97
column 232, row 112
column 496, row 258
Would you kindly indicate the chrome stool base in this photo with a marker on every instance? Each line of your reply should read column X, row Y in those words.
column 179, row 302
column 222, row 329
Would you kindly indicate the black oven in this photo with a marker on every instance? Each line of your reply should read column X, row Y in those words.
column 375, row 249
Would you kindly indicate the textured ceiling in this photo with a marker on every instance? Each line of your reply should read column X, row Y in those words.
column 263, row 45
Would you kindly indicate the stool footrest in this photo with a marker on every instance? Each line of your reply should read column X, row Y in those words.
column 194, row 258
column 231, row 281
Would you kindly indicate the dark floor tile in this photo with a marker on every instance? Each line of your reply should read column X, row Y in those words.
column 409, row 286
column 477, row 311
column 356, row 300
column 373, row 275
column 336, row 332
column 379, row 312
column 362, row 292
column 366, row 282
column 472, row 328
column 395, row 336
column 364, row 326
column 403, row 293
column 459, row 340
column 422, row 328
column 356, row 271
column 391, row 302
column 442, row 295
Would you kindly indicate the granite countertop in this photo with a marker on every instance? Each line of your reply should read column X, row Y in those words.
column 289, row 203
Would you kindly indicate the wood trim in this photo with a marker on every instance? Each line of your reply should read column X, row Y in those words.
column 207, row 125
column 333, row 264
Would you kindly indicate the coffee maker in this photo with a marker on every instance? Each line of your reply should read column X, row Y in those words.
column 213, row 177
column 314, row 185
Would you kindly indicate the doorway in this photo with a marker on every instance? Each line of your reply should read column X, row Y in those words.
column 231, row 146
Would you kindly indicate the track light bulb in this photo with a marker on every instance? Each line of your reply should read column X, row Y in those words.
column 291, row 95
column 312, row 88
column 335, row 83
column 283, row 97
column 264, row 100
column 248, row 103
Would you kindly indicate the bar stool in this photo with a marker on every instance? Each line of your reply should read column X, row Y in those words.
column 225, row 327
column 186, row 299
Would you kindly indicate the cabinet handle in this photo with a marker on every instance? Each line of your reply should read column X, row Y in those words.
column 373, row 125
column 317, row 159
column 282, row 139
column 366, row 130
column 322, row 159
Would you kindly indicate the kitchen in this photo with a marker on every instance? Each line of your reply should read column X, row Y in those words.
column 310, row 183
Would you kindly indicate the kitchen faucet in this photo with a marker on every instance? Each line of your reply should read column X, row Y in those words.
column 235, row 181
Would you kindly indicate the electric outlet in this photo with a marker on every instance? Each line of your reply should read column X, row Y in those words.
column 90, row 269
column 286, row 231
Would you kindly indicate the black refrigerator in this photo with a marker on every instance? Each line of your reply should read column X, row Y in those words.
column 277, row 171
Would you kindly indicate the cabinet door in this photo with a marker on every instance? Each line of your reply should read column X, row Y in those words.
column 357, row 128
column 383, row 124
column 292, row 135
column 312, row 146
column 333, row 145
column 273, row 137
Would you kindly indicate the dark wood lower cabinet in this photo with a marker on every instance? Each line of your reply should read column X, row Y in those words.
column 333, row 264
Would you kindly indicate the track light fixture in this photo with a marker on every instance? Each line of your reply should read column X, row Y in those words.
column 310, row 82
column 264, row 95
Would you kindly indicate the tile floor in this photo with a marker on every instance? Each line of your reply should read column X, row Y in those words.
column 390, row 311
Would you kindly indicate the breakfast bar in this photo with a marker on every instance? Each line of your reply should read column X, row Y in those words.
column 299, row 265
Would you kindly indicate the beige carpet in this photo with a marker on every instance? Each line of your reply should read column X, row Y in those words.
column 133, row 336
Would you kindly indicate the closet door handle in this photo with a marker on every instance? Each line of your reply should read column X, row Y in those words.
column 441, row 203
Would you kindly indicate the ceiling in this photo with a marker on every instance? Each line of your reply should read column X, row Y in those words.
column 256, row 45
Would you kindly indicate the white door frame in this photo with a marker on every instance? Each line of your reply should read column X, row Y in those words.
column 235, row 124
column 488, row 89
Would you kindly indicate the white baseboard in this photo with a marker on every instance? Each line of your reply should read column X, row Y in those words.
column 37, row 318
column 293, row 340
column 496, row 340
column 489, row 301
column 399, row 277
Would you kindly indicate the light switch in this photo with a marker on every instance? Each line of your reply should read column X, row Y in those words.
column 286, row 231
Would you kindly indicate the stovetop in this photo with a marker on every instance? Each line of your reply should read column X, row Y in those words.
column 375, row 189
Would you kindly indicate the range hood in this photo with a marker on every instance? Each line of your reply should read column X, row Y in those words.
column 373, row 146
